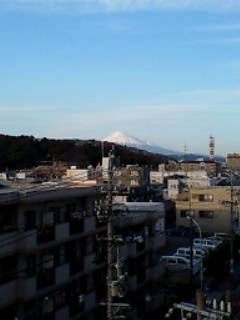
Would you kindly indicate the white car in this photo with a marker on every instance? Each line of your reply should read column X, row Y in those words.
column 205, row 243
column 180, row 264
column 186, row 252
column 216, row 239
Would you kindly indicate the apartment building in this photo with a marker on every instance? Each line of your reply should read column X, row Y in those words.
column 233, row 161
column 209, row 166
column 52, row 259
column 131, row 176
column 210, row 207
column 47, row 253
column 141, row 225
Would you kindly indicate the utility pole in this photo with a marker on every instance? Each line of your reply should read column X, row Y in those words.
column 114, row 310
column 109, row 245
column 232, row 231
column 231, row 205
column 191, row 237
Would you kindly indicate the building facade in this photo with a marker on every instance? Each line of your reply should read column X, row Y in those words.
column 210, row 208
column 53, row 261
column 131, row 176
column 47, row 254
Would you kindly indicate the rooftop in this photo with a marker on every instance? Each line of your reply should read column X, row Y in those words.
column 24, row 192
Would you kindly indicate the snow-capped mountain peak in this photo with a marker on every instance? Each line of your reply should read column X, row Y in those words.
column 124, row 139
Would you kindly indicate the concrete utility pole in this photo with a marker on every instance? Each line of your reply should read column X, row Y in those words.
column 109, row 246
column 232, row 231
column 231, row 205
column 191, row 236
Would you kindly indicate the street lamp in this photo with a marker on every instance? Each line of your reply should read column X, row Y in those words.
column 190, row 216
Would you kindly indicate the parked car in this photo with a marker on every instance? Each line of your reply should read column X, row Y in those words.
column 186, row 252
column 218, row 240
column 178, row 231
column 205, row 243
column 222, row 235
column 180, row 264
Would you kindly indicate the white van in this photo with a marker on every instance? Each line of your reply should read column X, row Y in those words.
column 180, row 264
column 197, row 252
column 205, row 243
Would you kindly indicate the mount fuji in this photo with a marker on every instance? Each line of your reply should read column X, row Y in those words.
column 124, row 139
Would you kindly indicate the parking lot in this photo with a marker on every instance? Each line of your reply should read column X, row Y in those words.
column 174, row 242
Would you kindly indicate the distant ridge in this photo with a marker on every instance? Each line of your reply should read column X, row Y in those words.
column 22, row 152
column 125, row 139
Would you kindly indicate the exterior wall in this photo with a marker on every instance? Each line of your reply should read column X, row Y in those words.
column 131, row 176
column 83, row 174
column 173, row 188
column 212, row 215
column 143, row 228
column 46, row 265
column 156, row 177
column 55, row 267
column 195, row 165
column 233, row 161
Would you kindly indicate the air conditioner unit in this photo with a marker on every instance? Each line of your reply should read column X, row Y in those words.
column 81, row 298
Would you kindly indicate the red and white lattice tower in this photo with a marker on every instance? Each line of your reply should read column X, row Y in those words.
column 211, row 149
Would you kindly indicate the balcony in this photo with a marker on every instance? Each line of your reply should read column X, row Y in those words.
column 89, row 261
column 8, row 239
column 62, row 273
column 8, row 292
column 62, row 313
column 62, row 231
column 29, row 240
column 90, row 300
column 27, row 287
column 90, row 223
column 76, row 265
column 76, row 226
column 46, row 234
column 45, row 278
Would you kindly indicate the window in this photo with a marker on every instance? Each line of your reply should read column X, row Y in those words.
column 117, row 173
column 183, row 213
column 134, row 173
column 30, row 220
column 58, row 218
column 205, row 197
column 206, row 214
column 31, row 266
column 133, row 183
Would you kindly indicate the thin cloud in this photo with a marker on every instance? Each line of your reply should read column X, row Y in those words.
column 211, row 92
column 224, row 41
column 220, row 27
column 120, row 5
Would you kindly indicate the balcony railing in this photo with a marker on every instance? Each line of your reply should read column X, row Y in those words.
column 45, row 278
column 46, row 234
column 76, row 265
column 76, row 226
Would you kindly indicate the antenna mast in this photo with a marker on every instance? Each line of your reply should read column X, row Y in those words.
column 211, row 148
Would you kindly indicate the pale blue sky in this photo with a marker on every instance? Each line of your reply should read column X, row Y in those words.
column 167, row 71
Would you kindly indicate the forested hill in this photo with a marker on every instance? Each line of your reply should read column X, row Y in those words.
column 23, row 152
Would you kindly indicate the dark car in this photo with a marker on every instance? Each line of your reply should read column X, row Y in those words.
column 181, row 231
